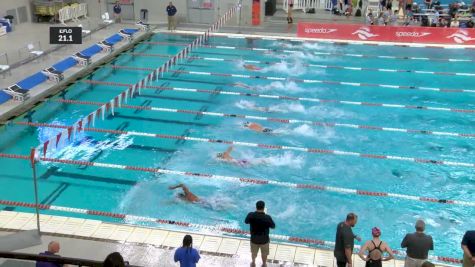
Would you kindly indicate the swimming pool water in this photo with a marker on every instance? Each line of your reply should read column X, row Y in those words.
column 297, row 212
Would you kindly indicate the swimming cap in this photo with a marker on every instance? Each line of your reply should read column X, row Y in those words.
column 376, row 231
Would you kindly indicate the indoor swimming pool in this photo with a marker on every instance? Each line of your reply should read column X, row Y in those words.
column 379, row 119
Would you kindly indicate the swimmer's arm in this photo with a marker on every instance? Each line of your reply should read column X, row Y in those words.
column 228, row 151
column 362, row 250
column 390, row 252
column 176, row 186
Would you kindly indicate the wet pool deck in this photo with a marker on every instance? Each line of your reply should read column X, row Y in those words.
column 142, row 246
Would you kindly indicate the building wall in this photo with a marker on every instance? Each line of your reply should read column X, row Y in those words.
column 14, row 4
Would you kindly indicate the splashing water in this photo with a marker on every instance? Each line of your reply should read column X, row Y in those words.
column 288, row 87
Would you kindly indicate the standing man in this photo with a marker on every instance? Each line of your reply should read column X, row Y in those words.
column 117, row 11
column 418, row 245
column 468, row 247
column 260, row 223
column 344, row 241
column 171, row 11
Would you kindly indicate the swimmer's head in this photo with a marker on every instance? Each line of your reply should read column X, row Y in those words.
column 267, row 130
column 246, row 124
column 220, row 155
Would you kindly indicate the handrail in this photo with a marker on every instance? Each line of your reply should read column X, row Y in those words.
column 54, row 259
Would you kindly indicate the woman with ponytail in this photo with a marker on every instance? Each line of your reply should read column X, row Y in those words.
column 187, row 255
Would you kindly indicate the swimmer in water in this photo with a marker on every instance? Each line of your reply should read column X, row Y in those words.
column 226, row 157
column 257, row 127
column 251, row 67
column 243, row 85
column 186, row 195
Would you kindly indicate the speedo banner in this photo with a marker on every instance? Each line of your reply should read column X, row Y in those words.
column 387, row 33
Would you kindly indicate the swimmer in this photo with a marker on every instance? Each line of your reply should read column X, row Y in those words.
column 257, row 127
column 252, row 106
column 186, row 195
column 243, row 85
column 226, row 157
column 251, row 67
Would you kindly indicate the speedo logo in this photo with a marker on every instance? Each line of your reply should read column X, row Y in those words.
column 412, row 34
column 319, row 30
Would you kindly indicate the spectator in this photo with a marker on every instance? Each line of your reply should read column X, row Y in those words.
column 392, row 18
column 114, row 260
column 53, row 248
column 344, row 242
column 375, row 248
column 468, row 247
column 455, row 22
column 117, row 10
column 187, row 255
column 171, row 11
column 259, row 223
column 370, row 17
column 428, row 3
column 418, row 245
column 289, row 11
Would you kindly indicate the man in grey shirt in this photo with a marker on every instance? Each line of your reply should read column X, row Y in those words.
column 418, row 245
column 344, row 242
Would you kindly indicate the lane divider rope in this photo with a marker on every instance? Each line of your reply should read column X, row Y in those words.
column 334, row 189
column 309, row 150
column 274, row 62
column 309, row 81
column 309, row 99
column 270, row 50
column 203, row 227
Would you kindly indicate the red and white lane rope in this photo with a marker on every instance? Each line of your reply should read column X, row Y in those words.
column 273, row 78
column 274, row 62
column 291, row 98
column 309, row 150
column 334, row 189
column 203, row 227
column 270, row 50
column 314, row 40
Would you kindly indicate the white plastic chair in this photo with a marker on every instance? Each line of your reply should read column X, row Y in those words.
column 106, row 19
column 33, row 51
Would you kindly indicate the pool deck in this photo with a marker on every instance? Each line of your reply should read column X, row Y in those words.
column 142, row 246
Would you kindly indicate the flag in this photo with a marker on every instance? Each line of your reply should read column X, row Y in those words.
column 70, row 130
column 58, row 137
column 103, row 110
column 111, row 105
column 119, row 100
column 89, row 119
column 45, row 147
column 79, row 125
column 94, row 114
column 124, row 96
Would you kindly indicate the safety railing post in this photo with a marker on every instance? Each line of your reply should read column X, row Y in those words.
column 35, row 182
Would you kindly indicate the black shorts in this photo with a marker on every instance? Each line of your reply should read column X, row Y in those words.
column 291, row 5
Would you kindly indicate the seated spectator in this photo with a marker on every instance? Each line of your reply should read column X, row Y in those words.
column 392, row 18
column 428, row 3
column 468, row 247
column 376, row 248
column 53, row 248
column 428, row 264
column 455, row 23
column 114, row 260
column 370, row 17
column 187, row 255
column 385, row 16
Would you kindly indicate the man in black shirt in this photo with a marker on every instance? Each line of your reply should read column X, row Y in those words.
column 344, row 242
column 260, row 223
column 468, row 246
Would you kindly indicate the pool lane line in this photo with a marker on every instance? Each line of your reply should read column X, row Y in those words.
column 302, row 149
column 274, row 62
column 319, row 40
column 253, row 180
column 203, row 227
column 309, row 81
column 288, row 51
column 308, row 99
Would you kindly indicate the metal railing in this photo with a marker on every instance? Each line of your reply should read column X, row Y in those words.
column 53, row 259
column 304, row 5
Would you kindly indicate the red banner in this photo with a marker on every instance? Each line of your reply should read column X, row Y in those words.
column 387, row 33
column 256, row 12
